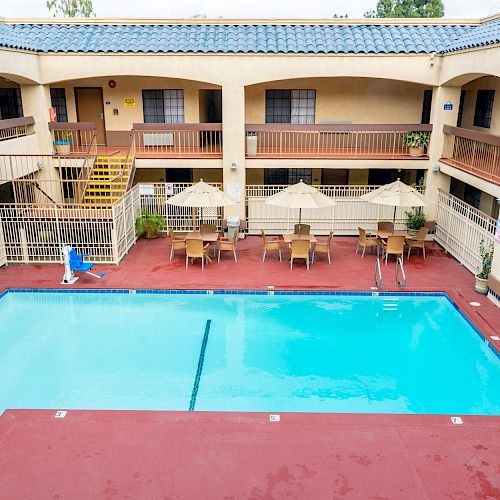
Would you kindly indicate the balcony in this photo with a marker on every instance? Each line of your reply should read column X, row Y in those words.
column 333, row 141
column 186, row 140
column 73, row 137
column 474, row 152
column 16, row 127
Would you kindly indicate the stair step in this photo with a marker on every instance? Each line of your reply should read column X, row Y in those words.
column 102, row 198
column 106, row 184
column 104, row 190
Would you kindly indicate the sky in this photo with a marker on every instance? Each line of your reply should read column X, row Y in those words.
column 240, row 8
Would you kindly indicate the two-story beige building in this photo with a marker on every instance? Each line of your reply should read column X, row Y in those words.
column 250, row 104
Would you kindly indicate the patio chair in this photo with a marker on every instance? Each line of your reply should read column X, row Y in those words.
column 299, row 250
column 394, row 245
column 417, row 241
column 302, row 229
column 208, row 228
column 323, row 247
column 385, row 225
column 228, row 245
column 365, row 241
column 196, row 250
column 270, row 244
column 176, row 243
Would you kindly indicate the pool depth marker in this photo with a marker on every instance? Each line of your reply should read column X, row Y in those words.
column 201, row 359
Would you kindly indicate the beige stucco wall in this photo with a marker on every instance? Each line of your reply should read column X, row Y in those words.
column 484, row 83
column 360, row 100
column 131, row 88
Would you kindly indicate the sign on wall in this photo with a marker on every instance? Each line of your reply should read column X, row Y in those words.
column 497, row 231
column 129, row 102
column 448, row 106
column 52, row 115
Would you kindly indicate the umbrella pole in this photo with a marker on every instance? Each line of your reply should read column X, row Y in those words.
column 193, row 213
column 300, row 219
column 394, row 217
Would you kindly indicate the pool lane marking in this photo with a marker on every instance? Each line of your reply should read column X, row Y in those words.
column 201, row 359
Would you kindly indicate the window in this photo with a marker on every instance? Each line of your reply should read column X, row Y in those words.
column 426, row 107
column 484, row 108
column 163, row 106
column 273, row 176
column 58, row 100
column 290, row 106
column 11, row 105
column 461, row 108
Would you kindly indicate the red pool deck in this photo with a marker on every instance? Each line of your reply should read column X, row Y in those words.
column 117, row 454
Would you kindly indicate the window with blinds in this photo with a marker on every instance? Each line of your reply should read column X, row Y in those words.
column 58, row 100
column 290, row 106
column 163, row 106
column 11, row 105
column 484, row 108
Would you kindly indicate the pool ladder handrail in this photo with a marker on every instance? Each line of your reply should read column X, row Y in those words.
column 377, row 271
column 399, row 265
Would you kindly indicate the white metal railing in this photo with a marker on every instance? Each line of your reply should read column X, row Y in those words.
column 460, row 228
column 16, row 127
column 154, row 198
column 344, row 218
column 35, row 233
column 3, row 253
column 400, row 268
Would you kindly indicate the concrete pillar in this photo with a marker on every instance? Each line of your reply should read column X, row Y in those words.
column 233, row 140
column 440, row 117
column 36, row 103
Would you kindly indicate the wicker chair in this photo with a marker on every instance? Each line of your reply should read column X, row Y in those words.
column 228, row 245
column 195, row 249
column 299, row 250
column 270, row 244
column 395, row 245
column 176, row 243
column 302, row 229
column 418, row 241
column 365, row 241
column 323, row 247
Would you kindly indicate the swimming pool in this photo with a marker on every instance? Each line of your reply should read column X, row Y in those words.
column 223, row 351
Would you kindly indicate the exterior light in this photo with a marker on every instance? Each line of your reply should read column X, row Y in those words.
column 436, row 168
column 234, row 166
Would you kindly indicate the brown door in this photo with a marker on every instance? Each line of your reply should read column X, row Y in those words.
column 90, row 108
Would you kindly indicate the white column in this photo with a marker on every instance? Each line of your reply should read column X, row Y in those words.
column 440, row 117
column 233, row 140
column 36, row 103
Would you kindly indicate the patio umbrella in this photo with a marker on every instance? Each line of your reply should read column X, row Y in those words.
column 300, row 196
column 396, row 194
column 201, row 195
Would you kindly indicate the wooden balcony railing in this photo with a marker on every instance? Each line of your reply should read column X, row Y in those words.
column 330, row 141
column 16, row 127
column 72, row 137
column 186, row 140
column 474, row 152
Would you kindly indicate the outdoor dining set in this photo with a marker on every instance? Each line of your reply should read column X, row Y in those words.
column 301, row 243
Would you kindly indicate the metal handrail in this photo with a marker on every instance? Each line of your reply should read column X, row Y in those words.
column 376, row 268
column 399, row 265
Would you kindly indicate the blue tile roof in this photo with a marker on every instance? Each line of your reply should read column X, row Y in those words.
column 241, row 38
column 487, row 33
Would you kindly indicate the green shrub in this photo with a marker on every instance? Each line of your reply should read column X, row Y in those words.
column 486, row 252
column 148, row 225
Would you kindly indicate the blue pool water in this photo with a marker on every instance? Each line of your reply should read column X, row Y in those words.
column 313, row 353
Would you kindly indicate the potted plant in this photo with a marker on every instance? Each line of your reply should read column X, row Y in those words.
column 415, row 219
column 148, row 225
column 63, row 143
column 417, row 142
column 486, row 252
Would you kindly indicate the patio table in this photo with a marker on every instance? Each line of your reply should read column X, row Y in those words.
column 206, row 237
column 288, row 237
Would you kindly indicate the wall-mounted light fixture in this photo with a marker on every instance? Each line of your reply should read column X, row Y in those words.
column 433, row 56
column 40, row 165
column 436, row 168
column 234, row 166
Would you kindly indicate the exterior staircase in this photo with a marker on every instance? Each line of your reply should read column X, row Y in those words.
column 108, row 180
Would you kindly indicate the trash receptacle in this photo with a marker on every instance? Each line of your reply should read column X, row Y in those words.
column 251, row 145
column 233, row 225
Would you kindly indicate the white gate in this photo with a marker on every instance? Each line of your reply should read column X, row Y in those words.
column 460, row 228
column 344, row 218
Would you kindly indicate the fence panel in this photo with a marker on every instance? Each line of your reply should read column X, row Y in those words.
column 154, row 198
column 36, row 233
column 125, row 212
column 344, row 218
column 460, row 228
column 3, row 253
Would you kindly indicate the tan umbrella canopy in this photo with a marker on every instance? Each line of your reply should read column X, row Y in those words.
column 396, row 194
column 201, row 195
column 300, row 196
